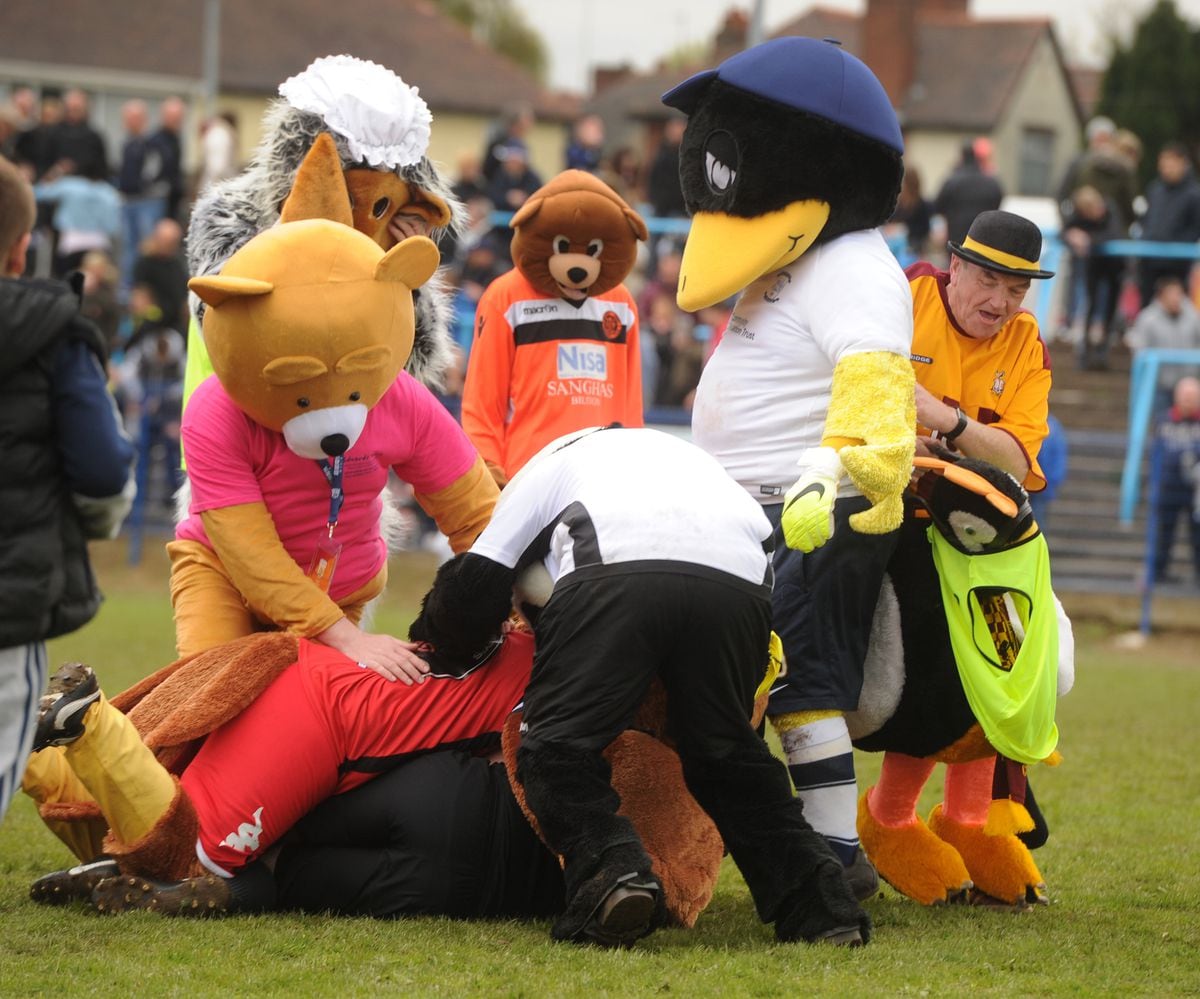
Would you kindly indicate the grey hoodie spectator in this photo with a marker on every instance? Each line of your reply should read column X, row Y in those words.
column 1170, row 321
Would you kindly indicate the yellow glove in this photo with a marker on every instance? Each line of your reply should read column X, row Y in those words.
column 808, row 506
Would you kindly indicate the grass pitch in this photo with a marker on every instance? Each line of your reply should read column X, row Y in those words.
column 1122, row 864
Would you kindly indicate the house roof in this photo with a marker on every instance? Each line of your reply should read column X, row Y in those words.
column 821, row 22
column 265, row 41
column 640, row 95
column 966, row 69
column 1087, row 81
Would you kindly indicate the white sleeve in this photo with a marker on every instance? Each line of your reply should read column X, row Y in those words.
column 525, row 508
column 866, row 306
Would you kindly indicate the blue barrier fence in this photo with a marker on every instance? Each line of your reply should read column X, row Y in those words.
column 1142, row 384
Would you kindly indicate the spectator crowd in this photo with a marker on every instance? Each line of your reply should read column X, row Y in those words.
column 119, row 221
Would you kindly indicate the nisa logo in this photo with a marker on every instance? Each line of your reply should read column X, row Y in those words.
column 582, row 360
column 245, row 840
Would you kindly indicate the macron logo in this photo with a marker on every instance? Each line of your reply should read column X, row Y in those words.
column 245, row 840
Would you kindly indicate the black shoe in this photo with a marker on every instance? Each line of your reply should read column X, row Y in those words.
column 862, row 877
column 841, row 936
column 624, row 911
column 206, row 895
column 74, row 884
column 625, row 916
column 822, row 911
column 73, row 689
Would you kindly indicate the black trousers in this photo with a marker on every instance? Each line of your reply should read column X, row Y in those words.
column 439, row 835
column 824, row 604
column 600, row 642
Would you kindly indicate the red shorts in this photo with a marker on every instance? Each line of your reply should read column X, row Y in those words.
column 326, row 725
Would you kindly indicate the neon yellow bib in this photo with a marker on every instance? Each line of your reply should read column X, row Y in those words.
column 198, row 368
column 1014, row 707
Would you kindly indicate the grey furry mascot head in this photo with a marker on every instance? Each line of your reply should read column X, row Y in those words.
column 380, row 124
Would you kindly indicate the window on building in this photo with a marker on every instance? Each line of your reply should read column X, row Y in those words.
column 1034, row 176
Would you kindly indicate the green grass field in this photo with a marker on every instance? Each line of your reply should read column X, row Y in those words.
column 1123, row 866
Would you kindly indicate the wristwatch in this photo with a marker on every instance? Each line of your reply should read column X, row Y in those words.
column 950, row 436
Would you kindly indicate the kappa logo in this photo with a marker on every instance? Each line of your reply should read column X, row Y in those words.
column 998, row 384
column 245, row 840
column 582, row 360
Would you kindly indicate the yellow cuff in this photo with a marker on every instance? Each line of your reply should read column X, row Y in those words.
column 463, row 508
column 873, row 406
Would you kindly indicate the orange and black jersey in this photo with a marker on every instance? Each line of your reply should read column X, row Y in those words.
column 542, row 367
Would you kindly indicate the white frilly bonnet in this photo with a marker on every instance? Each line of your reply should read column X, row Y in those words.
column 383, row 120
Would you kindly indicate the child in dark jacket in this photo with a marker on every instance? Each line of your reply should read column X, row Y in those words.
column 67, row 467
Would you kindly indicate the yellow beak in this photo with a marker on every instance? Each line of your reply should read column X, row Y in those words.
column 725, row 253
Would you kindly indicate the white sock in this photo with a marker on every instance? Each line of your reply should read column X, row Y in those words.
column 820, row 760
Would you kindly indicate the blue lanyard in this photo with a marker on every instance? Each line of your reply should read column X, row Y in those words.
column 332, row 470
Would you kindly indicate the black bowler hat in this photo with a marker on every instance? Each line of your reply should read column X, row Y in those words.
column 1004, row 242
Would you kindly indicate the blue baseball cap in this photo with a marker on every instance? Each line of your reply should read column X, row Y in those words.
column 819, row 77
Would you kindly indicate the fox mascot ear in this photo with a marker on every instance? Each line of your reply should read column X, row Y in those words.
column 411, row 262
column 214, row 290
column 319, row 191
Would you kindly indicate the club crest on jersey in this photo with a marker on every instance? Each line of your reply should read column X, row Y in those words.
column 582, row 360
column 611, row 325
column 782, row 280
column 998, row 384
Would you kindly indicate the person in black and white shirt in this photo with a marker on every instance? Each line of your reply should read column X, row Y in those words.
column 657, row 564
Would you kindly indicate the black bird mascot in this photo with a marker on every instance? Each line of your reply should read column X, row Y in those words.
column 790, row 161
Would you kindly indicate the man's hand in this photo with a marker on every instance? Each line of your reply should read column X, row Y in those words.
column 932, row 413
column 808, row 506
column 390, row 657
column 405, row 224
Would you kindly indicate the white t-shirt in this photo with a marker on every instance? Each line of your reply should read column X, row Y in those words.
column 763, row 396
column 627, row 500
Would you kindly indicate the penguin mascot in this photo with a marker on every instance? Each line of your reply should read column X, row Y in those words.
column 790, row 161
column 970, row 651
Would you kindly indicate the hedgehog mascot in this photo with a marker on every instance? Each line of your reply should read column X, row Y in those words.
column 381, row 127
column 790, row 161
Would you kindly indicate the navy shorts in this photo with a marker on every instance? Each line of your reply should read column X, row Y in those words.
column 822, row 608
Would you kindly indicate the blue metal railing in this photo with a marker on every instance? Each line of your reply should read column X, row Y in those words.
column 1143, row 380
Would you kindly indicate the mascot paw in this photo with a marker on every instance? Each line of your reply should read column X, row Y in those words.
column 913, row 860
column 883, row 517
column 1000, row 866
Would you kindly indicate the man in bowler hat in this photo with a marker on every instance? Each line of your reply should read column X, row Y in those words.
column 983, row 372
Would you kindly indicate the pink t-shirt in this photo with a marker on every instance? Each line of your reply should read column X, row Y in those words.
column 231, row 460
